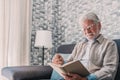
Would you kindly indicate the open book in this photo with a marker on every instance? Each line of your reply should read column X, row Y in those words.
column 71, row 67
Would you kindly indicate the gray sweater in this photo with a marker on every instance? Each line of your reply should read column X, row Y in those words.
column 103, row 57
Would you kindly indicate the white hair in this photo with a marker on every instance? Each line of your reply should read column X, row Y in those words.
column 90, row 16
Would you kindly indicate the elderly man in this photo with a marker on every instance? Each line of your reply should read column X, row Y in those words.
column 98, row 54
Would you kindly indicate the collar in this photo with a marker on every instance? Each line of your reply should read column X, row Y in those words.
column 99, row 39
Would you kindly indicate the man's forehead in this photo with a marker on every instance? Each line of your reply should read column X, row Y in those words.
column 87, row 22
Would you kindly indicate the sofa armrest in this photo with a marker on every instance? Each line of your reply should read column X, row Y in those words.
column 27, row 72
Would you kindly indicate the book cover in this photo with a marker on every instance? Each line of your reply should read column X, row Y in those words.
column 71, row 67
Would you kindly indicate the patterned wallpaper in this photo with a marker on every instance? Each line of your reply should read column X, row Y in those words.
column 62, row 18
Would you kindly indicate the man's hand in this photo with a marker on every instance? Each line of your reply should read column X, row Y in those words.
column 58, row 59
column 71, row 76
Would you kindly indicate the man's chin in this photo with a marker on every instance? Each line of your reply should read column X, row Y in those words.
column 90, row 37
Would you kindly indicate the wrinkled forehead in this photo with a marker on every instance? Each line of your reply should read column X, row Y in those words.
column 87, row 22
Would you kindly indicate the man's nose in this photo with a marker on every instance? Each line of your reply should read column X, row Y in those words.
column 88, row 30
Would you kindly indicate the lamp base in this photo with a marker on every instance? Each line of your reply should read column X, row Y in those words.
column 43, row 55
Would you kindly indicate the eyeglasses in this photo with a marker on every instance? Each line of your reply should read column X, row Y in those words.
column 88, row 27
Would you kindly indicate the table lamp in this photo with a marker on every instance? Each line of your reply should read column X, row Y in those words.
column 43, row 39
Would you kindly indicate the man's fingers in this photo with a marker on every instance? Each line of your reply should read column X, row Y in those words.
column 57, row 59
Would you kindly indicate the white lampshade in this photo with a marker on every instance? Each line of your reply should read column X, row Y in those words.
column 43, row 38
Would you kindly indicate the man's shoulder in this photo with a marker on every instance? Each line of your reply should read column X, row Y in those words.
column 78, row 44
column 109, row 41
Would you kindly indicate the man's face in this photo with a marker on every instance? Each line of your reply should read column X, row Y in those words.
column 90, row 29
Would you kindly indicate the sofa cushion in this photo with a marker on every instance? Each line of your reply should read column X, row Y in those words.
column 65, row 56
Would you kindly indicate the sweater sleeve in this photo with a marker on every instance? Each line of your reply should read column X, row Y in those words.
column 110, row 63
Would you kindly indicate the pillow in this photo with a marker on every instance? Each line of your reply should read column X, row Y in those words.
column 65, row 56
column 56, row 76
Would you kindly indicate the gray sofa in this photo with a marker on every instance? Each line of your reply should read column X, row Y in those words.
column 43, row 72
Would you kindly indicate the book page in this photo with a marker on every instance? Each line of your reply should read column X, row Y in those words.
column 57, row 68
column 76, row 67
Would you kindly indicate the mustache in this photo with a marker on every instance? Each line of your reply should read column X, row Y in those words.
column 90, row 34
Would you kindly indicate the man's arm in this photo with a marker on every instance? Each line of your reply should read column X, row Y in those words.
column 110, row 63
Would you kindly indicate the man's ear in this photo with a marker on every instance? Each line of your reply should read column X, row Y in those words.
column 99, row 25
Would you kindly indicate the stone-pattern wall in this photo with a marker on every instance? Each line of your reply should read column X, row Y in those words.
column 62, row 18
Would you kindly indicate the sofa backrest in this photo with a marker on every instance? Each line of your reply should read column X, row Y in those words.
column 117, row 41
column 68, row 48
